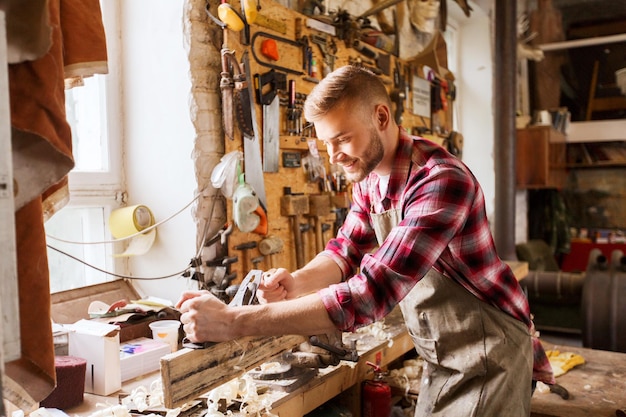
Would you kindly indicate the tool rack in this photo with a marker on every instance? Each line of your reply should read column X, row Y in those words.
column 299, row 44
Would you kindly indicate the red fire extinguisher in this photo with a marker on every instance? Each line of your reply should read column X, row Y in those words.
column 375, row 395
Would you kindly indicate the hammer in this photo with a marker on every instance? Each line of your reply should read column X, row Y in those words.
column 244, row 247
column 319, row 206
column 270, row 246
column 294, row 206
column 306, row 245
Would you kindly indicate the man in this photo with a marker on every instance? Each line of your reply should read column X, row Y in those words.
column 418, row 236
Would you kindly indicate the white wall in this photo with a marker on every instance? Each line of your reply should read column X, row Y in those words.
column 158, row 137
column 474, row 105
column 475, row 111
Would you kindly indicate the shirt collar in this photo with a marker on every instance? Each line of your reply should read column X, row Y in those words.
column 401, row 167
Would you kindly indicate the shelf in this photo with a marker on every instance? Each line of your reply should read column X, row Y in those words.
column 597, row 165
column 607, row 154
column 540, row 158
column 597, row 131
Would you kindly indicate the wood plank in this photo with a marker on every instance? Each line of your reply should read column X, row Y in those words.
column 597, row 388
column 189, row 373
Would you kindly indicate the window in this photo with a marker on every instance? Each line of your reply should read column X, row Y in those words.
column 96, row 182
column 78, row 223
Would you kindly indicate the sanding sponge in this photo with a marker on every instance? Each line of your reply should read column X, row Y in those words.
column 70, row 383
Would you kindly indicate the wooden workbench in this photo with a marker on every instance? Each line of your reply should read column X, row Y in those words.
column 346, row 377
column 596, row 388
column 329, row 382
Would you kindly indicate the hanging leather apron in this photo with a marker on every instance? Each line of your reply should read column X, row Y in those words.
column 477, row 359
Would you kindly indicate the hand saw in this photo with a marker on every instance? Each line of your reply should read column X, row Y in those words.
column 253, row 168
column 267, row 86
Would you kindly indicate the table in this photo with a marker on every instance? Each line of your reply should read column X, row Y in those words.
column 597, row 388
column 331, row 381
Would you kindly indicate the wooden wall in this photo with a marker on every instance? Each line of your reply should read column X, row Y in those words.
column 296, row 178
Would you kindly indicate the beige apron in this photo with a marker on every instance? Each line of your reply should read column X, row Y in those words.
column 477, row 359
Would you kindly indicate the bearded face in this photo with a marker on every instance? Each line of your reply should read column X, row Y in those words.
column 351, row 141
column 365, row 163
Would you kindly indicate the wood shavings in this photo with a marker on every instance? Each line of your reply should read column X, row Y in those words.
column 142, row 399
column 379, row 331
column 138, row 397
column 542, row 388
column 271, row 367
column 407, row 377
column 243, row 390
column 111, row 411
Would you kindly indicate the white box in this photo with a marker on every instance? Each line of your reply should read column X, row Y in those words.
column 99, row 344
column 141, row 356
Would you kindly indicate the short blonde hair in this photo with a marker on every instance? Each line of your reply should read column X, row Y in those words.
column 351, row 84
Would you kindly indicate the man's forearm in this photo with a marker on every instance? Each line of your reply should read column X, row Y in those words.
column 319, row 273
column 305, row 316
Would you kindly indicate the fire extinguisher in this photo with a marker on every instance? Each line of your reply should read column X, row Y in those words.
column 375, row 395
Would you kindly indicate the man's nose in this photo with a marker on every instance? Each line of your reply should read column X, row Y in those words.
column 333, row 155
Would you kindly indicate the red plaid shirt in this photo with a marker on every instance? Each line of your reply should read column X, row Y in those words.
column 444, row 225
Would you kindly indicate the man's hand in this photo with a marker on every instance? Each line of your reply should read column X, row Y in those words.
column 276, row 285
column 205, row 318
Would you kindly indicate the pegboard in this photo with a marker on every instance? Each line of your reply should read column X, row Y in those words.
column 288, row 28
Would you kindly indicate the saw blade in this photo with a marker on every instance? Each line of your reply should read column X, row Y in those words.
column 271, row 135
column 251, row 147
column 242, row 108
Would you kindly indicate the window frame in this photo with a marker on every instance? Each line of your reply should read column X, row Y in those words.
column 105, row 189
column 111, row 182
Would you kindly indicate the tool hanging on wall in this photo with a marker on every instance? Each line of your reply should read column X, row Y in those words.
column 328, row 47
column 271, row 246
column 231, row 79
column 231, row 74
column 251, row 147
column 228, row 17
column 398, row 94
column 249, row 12
column 245, row 204
column 278, row 40
column 267, row 86
column 294, row 110
column 295, row 206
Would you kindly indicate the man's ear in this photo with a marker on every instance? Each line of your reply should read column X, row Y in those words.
column 383, row 116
